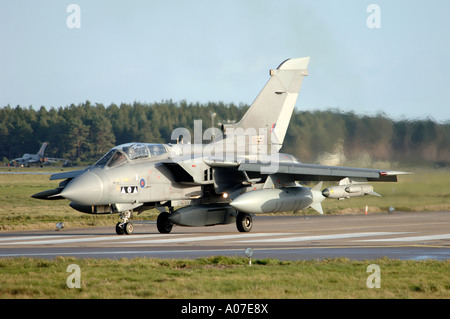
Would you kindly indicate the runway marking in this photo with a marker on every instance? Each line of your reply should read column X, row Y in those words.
column 31, row 237
column 77, row 239
column 320, row 237
column 114, row 239
column 412, row 238
column 237, row 238
column 205, row 238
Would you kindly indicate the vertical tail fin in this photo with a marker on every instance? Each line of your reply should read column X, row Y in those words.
column 267, row 119
column 42, row 149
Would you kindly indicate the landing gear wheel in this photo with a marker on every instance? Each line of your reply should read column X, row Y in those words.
column 163, row 223
column 128, row 228
column 244, row 222
column 119, row 229
column 124, row 226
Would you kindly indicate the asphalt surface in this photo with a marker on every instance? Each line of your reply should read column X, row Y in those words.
column 404, row 236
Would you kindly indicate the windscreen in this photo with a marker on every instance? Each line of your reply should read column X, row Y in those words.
column 105, row 159
column 117, row 159
column 132, row 151
column 113, row 158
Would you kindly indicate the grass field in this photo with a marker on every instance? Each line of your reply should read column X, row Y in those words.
column 222, row 277
column 425, row 190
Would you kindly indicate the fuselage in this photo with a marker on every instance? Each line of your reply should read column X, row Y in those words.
column 129, row 174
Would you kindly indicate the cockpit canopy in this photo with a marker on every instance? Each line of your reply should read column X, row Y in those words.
column 129, row 152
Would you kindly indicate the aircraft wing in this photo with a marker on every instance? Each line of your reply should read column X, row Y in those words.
column 314, row 172
column 24, row 160
column 54, row 159
column 69, row 174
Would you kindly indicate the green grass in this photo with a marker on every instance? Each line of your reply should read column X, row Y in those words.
column 425, row 190
column 227, row 277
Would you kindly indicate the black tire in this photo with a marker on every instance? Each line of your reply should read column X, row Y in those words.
column 244, row 222
column 128, row 228
column 163, row 223
column 119, row 229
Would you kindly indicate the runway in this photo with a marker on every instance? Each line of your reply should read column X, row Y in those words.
column 404, row 236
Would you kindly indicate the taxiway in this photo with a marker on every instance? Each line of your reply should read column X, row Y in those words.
column 404, row 236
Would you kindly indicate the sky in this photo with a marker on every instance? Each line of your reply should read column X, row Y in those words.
column 391, row 58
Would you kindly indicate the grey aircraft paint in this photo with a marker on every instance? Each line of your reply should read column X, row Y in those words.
column 239, row 173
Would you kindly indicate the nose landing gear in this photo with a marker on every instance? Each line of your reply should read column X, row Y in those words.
column 124, row 226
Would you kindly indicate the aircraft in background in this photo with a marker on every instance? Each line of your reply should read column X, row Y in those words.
column 238, row 174
column 37, row 158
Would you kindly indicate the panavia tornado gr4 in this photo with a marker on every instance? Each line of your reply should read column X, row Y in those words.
column 238, row 174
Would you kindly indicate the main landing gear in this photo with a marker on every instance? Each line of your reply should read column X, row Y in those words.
column 163, row 223
column 244, row 222
column 124, row 226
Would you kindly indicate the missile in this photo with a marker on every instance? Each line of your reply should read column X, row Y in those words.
column 347, row 191
column 279, row 200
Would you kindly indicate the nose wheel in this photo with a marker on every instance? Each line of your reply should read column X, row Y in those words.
column 124, row 226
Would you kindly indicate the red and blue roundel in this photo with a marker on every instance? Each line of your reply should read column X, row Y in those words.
column 142, row 183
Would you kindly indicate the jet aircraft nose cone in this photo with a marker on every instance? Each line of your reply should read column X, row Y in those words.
column 86, row 189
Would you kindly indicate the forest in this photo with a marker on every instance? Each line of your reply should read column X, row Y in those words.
column 83, row 133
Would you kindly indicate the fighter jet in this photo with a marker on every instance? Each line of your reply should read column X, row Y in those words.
column 37, row 158
column 238, row 174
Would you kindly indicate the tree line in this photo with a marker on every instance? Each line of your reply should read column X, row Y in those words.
column 83, row 133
